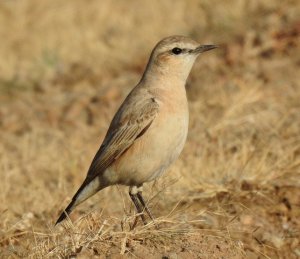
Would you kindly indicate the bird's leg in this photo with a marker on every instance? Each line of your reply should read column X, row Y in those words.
column 141, row 199
column 133, row 196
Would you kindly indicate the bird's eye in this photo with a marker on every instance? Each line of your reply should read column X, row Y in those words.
column 176, row 51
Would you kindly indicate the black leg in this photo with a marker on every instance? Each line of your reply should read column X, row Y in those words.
column 138, row 208
column 141, row 199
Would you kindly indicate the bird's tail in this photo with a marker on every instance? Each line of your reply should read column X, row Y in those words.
column 86, row 190
column 66, row 212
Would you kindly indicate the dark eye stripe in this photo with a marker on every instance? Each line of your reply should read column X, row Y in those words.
column 176, row 51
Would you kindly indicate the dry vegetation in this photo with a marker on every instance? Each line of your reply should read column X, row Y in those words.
column 66, row 66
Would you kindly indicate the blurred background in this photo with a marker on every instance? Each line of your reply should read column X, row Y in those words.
column 66, row 66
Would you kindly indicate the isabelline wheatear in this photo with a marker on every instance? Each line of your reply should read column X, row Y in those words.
column 149, row 130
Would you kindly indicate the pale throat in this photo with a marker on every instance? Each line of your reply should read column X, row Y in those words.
column 167, row 75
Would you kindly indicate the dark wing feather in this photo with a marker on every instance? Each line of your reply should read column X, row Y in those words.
column 122, row 134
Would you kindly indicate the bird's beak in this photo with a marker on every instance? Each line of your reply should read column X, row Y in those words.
column 203, row 48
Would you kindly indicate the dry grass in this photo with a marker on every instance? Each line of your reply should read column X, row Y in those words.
column 64, row 69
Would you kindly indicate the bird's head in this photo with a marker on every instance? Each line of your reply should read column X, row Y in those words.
column 175, row 56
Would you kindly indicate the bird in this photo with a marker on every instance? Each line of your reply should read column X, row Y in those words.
column 149, row 130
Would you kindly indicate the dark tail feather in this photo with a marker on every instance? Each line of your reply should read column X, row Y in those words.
column 77, row 199
column 70, row 207
column 66, row 212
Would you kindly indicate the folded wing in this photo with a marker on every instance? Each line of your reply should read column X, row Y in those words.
column 122, row 134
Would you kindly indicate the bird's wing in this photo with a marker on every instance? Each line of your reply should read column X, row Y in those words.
column 130, row 122
column 124, row 130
